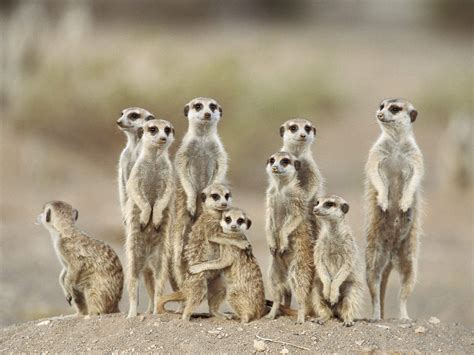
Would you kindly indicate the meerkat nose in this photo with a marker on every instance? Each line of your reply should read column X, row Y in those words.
column 380, row 115
column 207, row 115
column 163, row 139
column 303, row 135
column 274, row 169
column 224, row 204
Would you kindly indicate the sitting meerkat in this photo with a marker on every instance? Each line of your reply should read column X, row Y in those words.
column 242, row 275
column 288, row 235
column 338, row 278
column 92, row 277
column 203, row 246
column 148, row 219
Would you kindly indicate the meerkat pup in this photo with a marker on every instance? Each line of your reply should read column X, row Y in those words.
column 206, row 233
column 130, row 122
column 394, row 171
column 288, row 235
column 338, row 278
column 92, row 277
column 242, row 275
column 200, row 161
column 150, row 189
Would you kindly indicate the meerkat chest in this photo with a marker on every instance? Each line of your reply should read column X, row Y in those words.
column 331, row 255
column 396, row 167
column 304, row 174
column 58, row 247
column 202, row 162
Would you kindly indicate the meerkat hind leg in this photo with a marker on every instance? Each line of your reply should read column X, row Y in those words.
column 374, row 281
column 80, row 302
column 216, row 296
column 383, row 288
column 407, row 269
column 148, row 278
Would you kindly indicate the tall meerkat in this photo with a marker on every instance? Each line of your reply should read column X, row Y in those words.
column 288, row 235
column 338, row 278
column 92, row 276
column 130, row 123
column 149, row 214
column 200, row 161
column 243, row 277
column 203, row 245
column 394, row 172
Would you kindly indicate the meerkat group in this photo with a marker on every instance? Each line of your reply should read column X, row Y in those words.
column 181, row 226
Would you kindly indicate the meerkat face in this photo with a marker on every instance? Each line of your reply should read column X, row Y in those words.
column 216, row 197
column 298, row 131
column 203, row 110
column 56, row 213
column 235, row 221
column 132, row 119
column 282, row 164
column 159, row 133
column 332, row 207
column 396, row 113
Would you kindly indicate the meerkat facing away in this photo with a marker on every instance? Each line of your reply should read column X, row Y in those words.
column 150, row 189
column 394, row 171
column 200, row 161
column 338, row 278
column 288, row 236
column 243, row 277
column 130, row 123
column 92, row 276
column 203, row 246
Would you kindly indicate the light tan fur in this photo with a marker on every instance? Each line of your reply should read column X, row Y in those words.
column 288, row 235
column 92, row 276
column 338, row 280
column 394, row 171
column 200, row 161
column 149, row 214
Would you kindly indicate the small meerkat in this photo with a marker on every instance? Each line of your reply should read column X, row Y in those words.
column 242, row 275
column 394, row 171
column 338, row 278
column 92, row 276
column 200, row 161
column 204, row 238
column 130, row 123
column 288, row 235
column 149, row 214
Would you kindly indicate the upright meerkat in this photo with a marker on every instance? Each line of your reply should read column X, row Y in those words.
column 243, row 277
column 92, row 277
column 130, row 122
column 338, row 278
column 200, row 161
column 148, row 214
column 394, row 171
column 288, row 235
column 204, row 238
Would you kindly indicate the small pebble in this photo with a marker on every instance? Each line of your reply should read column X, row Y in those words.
column 45, row 322
column 420, row 330
column 359, row 342
column 434, row 320
column 259, row 345
column 382, row 326
column 284, row 351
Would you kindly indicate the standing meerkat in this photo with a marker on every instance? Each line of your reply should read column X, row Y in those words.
column 150, row 189
column 130, row 123
column 243, row 277
column 200, row 161
column 288, row 235
column 204, row 238
column 338, row 278
column 92, row 276
column 394, row 171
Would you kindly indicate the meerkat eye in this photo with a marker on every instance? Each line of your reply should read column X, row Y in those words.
column 240, row 221
column 395, row 109
column 307, row 129
column 134, row 115
column 382, row 106
column 285, row 161
column 272, row 161
column 328, row 204
column 215, row 197
column 149, row 118
column 152, row 130
column 317, row 203
column 227, row 196
column 213, row 107
column 198, row 106
column 293, row 128
column 167, row 130
column 228, row 220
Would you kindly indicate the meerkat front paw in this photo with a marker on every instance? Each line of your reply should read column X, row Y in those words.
column 144, row 219
column 191, row 208
column 283, row 250
column 326, row 292
column 334, row 297
column 157, row 217
column 273, row 250
column 69, row 299
column 382, row 202
column 405, row 203
column 348, row 323
column 194, row 269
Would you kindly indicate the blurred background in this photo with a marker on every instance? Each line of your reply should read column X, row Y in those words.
column 68, row 68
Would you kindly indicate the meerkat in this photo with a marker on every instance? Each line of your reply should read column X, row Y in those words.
column 130, row 122
column 149, row 214
column 200, row 161
column 243, row 277
column 394, row 171
column 338, row 279
column 202, row 246
column 92, row 276
column 288, row 235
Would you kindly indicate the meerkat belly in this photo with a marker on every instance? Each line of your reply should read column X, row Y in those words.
column 303, row 175
column 395, row 170
column 202, row 166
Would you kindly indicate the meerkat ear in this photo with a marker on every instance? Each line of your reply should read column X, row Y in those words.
column 282, row 130
column 413, row 114
column 75, row 214
column 314, row 131
column 220, row 110
column 174, row 132
column 345, row 208
column 297, row 165
column 140, row 133
column 48, row 215
column 186, row 110
column 203, row 197
column 249, row 223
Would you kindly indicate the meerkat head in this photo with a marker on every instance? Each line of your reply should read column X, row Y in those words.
column 331, row 207
column 56, row 215
column 235, row 220
column 396, row 114
column 298, row 131
column 132, row 119
column 203, row 110
column 282, row 164
column 216, row 196
column 158, row 133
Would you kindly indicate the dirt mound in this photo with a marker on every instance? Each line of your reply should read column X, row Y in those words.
column 167, row 333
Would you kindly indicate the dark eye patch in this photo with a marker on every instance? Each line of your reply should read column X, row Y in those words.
column 152, row 130
column 149, row 118
column 395, row 109
column 272, row 161
column 329, row 204
column 198, row 106
column 293, row 128
column 228, row 220
column 382, row 106
column 285, row 161
column 227, row 196
column 215, row 197
column 167, row 130
column 308, row 128
column 317, row 203
column 133, row 115
column 213, row 107
column 240, row 221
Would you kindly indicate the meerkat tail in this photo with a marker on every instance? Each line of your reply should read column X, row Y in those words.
column 285, row 310
column 173, row 297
